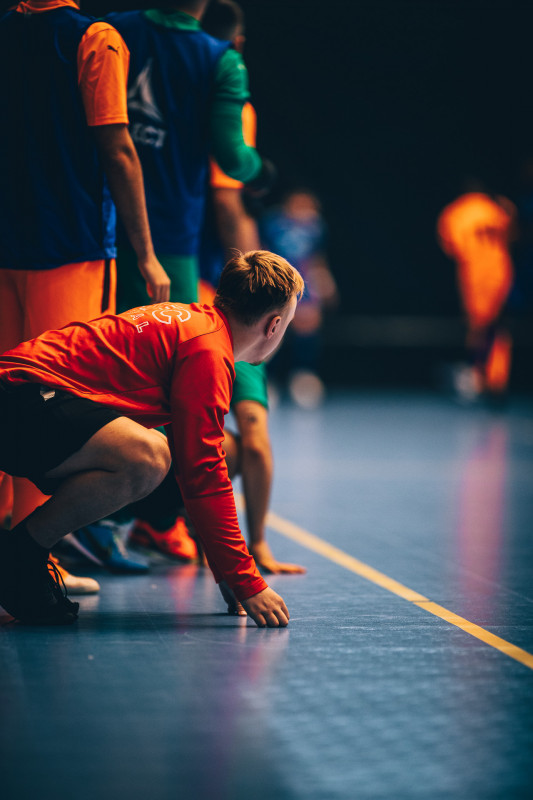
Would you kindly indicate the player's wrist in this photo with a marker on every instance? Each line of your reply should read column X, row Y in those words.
column 252, row 589
column 145, row 253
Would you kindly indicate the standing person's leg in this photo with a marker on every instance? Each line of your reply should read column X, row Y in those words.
column 478, row 333
column 478, row 341
column 488, row 343
column 250, row 454
column 498, row 367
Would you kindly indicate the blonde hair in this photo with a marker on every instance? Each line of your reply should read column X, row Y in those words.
column 255, row 283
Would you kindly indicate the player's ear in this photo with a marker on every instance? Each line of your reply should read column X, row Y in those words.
column 272, row 325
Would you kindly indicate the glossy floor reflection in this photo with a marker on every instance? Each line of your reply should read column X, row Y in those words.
column 156, row 693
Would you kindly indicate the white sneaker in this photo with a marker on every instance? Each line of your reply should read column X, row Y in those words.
column 75, row 585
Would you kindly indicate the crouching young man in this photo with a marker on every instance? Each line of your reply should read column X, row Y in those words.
column 77, row 411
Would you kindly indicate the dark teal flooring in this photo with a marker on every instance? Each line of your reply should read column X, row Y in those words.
column 157, row 694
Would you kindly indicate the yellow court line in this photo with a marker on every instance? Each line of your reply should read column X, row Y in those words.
column 327, row 550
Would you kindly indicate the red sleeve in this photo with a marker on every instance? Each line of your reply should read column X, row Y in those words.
column 200, row 397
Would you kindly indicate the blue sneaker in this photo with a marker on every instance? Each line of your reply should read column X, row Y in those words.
column 103, row 544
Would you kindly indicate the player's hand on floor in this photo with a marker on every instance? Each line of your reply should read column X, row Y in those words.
column 267, row 609
column 157, row 280
column 234, row 606
column 263, row 557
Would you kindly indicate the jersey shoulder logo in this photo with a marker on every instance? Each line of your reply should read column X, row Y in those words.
column 164, row 313
column 141, row 95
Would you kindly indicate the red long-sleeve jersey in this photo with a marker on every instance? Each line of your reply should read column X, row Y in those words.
column 164, row 364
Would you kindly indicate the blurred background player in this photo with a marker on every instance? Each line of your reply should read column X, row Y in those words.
column 65, row 155
column 185, row 97
column 296, row 230
column 476, row 230
column 229, row 226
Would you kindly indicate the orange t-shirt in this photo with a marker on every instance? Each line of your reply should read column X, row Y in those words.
column 103, row 63
column 475, row 231
column 219, row 179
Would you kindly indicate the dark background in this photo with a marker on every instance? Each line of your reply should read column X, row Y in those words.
column 383, row 107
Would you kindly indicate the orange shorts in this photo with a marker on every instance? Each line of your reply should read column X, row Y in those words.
column 35, row 301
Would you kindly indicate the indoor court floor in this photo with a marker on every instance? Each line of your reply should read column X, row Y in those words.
column 407, row 667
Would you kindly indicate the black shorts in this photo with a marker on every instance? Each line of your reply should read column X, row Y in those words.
column 41, row 427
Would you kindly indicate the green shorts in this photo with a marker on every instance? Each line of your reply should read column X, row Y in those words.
column 131, row 286
column 250, row 383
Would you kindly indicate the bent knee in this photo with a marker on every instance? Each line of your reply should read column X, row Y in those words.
column 149, row 461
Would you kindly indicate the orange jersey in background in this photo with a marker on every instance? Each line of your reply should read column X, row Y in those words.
column 475, row 231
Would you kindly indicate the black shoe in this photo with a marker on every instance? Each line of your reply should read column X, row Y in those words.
column 28, row 590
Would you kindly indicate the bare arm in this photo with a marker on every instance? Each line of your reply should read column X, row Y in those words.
column 236, row 228
column 124, row 174
column 256, row 465
column 256, row 468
